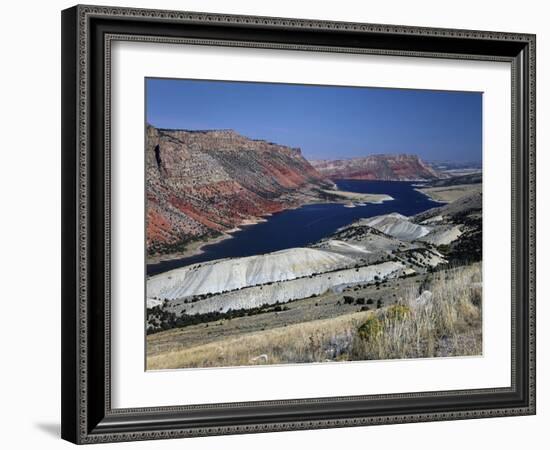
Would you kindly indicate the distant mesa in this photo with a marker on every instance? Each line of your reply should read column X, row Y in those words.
column 391, row 167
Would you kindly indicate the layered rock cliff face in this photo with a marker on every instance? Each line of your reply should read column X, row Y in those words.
column 378, row 167
column 203, row 183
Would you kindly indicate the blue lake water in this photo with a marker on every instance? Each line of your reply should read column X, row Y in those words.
column 307, row 224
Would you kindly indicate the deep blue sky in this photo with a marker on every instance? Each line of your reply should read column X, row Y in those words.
column 325, row 121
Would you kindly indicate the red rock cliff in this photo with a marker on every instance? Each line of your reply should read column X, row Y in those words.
column 201, row 183
column 378, row 167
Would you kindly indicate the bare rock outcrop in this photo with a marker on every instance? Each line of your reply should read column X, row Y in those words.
column 398, row 167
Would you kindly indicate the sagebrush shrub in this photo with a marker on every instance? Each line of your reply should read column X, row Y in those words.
column 371, row 330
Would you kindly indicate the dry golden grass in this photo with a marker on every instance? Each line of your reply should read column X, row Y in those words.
column 447, row 325
column 295, row 343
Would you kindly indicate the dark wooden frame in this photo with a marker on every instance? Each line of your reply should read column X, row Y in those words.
column 87, row 32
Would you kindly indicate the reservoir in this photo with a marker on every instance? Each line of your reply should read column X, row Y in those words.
column 308, row 224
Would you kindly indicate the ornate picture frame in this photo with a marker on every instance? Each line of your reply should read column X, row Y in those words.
column 88, row 33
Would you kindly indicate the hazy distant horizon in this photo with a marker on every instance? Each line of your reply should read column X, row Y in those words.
column 326, row 122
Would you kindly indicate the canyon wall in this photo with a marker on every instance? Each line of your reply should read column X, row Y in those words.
column 200, row 184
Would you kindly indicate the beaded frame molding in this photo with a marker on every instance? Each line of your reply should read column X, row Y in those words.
column 87, row 35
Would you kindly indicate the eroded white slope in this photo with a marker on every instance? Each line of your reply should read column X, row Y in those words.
column 229, row 274
column 443, row 235
column 282, row 292
column 341, row 246
column 398, row 226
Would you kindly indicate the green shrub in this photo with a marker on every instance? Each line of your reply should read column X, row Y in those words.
column 398, row 312
column 371, row 330
column 348, row 300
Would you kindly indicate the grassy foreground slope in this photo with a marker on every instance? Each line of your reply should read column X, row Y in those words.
column 442, row 317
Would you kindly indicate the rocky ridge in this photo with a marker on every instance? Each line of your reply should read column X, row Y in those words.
column 390, row 167
column 200, row 184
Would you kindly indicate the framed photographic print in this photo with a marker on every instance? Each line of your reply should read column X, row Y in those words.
column 280, row 224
